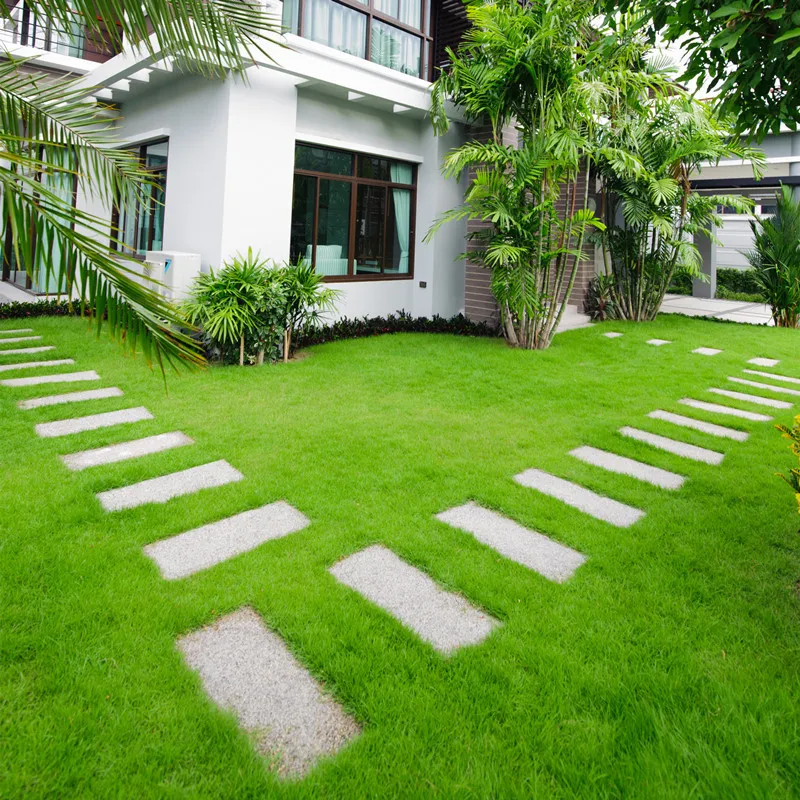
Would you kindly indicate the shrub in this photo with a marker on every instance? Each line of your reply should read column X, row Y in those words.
column 600, row 298
column 738, row 281
column 793, row 435
column 47, row 308
column 681, row 283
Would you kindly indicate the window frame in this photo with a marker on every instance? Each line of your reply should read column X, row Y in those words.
column 141, row 153
column 354, row 182
column 424, row 33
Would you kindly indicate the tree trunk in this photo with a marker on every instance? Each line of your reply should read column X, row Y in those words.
column 241, row 351
column 287, row 342
column 260, row 359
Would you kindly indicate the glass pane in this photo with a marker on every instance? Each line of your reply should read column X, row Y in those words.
column 319, row 159
column 377, row 169
column 398, row 232
column 145, row 220
column 411, row 13
column 333, row 231
column 156, row 155
column 370, row 223
column 395, row 48
column 157, row 242
column 302, row 231
column 291, row 16
column 389, row 7
column 336, row 26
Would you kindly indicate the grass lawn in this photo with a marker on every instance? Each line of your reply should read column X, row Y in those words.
column 667, row 666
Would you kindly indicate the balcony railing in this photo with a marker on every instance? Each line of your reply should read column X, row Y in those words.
column 32, row 30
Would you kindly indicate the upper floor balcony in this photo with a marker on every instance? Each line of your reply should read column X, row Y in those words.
column 27, row 29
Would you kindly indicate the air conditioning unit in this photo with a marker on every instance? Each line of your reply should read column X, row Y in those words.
column 174, row 270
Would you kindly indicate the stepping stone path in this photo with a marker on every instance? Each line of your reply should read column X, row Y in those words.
column 166, row 487
column 65, row 427
column 718, row 409
column 756, row 385
column 672, row 446
column 628, row 466
column 764, row 362
column 658, row 342
column 528, row 548
column 59, row 362
column 596, row 505
column 706, row 351
column 26, row 350
column 69, row 397
column 61, row 377
column 751, row 398
column 445, row 620
column 125, row 450
column 16, row 339
column 201, row 548
column 612, row 335
column 247, row 669
column 773, row 376
column 698, row 425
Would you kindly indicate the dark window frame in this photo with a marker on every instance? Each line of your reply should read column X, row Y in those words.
column 425, row 33
column 355, row 181
column 141, row 151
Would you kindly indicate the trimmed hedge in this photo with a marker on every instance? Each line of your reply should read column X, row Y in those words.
column 401, row 322
column 738, row 281
column 47, row 308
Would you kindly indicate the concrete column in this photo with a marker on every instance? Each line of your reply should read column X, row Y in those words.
column 794, row 167
column 708, row 254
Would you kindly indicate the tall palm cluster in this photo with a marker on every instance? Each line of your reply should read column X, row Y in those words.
column 53, row 137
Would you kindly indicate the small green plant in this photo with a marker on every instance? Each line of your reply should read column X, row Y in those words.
column 600, row 298
column 776, row 259
column 793, row 478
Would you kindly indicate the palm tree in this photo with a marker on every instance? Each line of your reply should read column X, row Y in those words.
column 50, row 132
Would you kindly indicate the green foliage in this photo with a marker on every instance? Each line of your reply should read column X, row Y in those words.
column 600, row 298
column 793, row 478
column 65, row 140
column 681, row 282
column 775, row 259
column 749, row 50
column 738, row 281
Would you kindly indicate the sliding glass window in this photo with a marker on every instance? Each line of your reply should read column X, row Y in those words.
column 352, row 214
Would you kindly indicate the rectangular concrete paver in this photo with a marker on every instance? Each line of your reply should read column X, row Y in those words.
column 628, row 466
column 15, row 339
column 12, row 331
column 718, row 409
column 772, row 376
column 69, row 397
column 768, row 386
column 59, row 362
column 248, row 669
column 531, row 549
column 92, row 422
column 125, row 450
column 166, row 487
column 764, row 362
column 612, row 335
column 21, row 351
column 672, row 446
column 201, row 548
column 658, row 342
column 62, row 377
column 706, row 351
column 596, row 505
column 698, row 425
column 751, row 398
column 444, row 620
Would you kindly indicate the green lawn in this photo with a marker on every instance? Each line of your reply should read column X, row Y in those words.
column 668, row 666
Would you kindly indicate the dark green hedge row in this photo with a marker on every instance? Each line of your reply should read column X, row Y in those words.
column 731, row 283
column 401, row 322
column 48, row 308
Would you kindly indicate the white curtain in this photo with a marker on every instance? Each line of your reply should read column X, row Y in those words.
column 411, row 13
column 394, row 48
column 401, row 198
column 336, row 26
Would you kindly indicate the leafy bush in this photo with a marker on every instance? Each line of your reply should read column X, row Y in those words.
column 775, row 258
column 739, row 281
column 600, row 298
column 681, row 283
column 743, row 297
column 793, row 435
column 47, row 308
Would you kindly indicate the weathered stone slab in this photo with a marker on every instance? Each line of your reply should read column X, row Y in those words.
column 58, row 362
column 16, row 339
column 658, row 342
column 62, row 377
column 629, row 466
column 444, row 620
column 201, row 548
column 718, row 409
column 751, row 398
column 768, row 386
column 612, row 335
column 672, row 446
column 69, row 397
column 247, row 669
column 124, row 451
column 22, row 351
column 596, row 505
column 517, row 543
column 92, row 422
column 764, row 362
column 773, row 376
column 12, row 331
column 698, row 425
column 167, row 487
column 706, row 351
